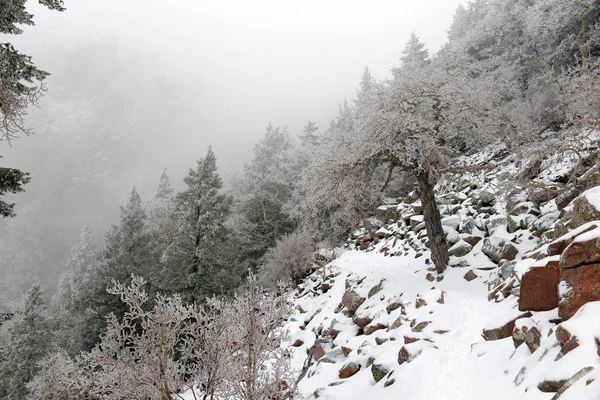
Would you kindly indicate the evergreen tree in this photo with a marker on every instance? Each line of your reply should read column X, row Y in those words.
column 70, row 304
column 267, row 186
column 198, row 259
column 161, row 213
column 31, row 339
column 414, row 56
column 11, row 181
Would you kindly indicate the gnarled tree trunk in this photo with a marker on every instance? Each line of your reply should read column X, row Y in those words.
column 433, row 221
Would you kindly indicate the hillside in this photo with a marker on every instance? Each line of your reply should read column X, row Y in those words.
column 378, row 321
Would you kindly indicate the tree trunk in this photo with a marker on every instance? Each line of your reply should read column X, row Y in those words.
column 433, row 222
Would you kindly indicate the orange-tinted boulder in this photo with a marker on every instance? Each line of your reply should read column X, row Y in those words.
column 539, row 289
column 579, row 286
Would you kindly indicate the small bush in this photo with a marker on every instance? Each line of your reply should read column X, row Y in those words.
column 290, row 261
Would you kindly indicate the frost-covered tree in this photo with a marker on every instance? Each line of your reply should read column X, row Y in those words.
column 199, row 257
column 11, row 181
column 267, row 185
column 70, row 304
column 414, row 55
column 31, row 339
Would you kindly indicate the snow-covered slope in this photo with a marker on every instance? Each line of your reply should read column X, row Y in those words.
column 379, row 323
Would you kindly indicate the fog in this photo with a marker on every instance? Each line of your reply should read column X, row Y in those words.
column 138, row 85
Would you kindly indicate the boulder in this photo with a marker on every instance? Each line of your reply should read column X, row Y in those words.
column 460, row 249
column 581, row 252
column 577, row 287
column 486, row 198
column 470, row 275
column 503, row 331
column 471, row 239
column 467, row 225
column 387, row 212
column 571, row 381
column 361, row 321
column 375, row 289
column 499, row 249
column 416, row 220
column 494, row 223
column 373, row 327
column 319, row 352
column 349, row 370
column 378, row 372
column 352, row 300
column 530, row 336
column 539, row 289
column 420, row 326
column 452, row 221
column 405, row 356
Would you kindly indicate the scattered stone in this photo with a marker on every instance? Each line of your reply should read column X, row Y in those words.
column 346, row 350
column 352, row 300
column 378, row 372
column 430, row 277
column 319, row 352
column 571, row 345
column 498, row 249
column 394, row 305
column 582, row 372
column 369, row 329
column 503, row 331
column 460, row 249
column 381, row 341
column 397, row 324
column 404, row 356
column 562, row 335
column 298, row 343
column 349, row 370
column 409, row 340
column 471, row 239
column 420, row 303
column 538, row 289
column 440, row 331
column 470, row 275
column 420, row 326
column 440, row 299
column 550, row 386
column 389, row 382
column 375, row 289
column 361, row 321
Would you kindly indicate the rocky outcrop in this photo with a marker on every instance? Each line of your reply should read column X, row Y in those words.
column 539, row 289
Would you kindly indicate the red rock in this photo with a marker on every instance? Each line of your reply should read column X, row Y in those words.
column 441, row 299
column 562, row 335
column 580, row 253
column 298, row 343
column 361, row 321
column 584, row 284
column 539, row 289
column 352, row 300
column 420, row 303
column 375, row 289
column 349, row 370
column 430, row 277
column 319, row 352
column 470, row 275
column 397, row 324
column 503, row 331
column 420, row 326
column 571, row 345
column 409, row 340
column 404, row 356
column 372, row 328
column 346, row 351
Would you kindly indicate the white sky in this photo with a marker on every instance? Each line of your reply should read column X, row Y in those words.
column 248, row 63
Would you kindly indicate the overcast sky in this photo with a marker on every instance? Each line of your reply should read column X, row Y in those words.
column 251, row 62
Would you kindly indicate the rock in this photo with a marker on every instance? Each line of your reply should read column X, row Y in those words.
column 550, row 386
column 387, row 212
column 397, row 324
column 378, row 372
column 580, row 374
column 420, row 326
column 524, row 208
column 530, row 336
column 420, row 303
column 409, row 340
column 580, row 253
column 389, row 382
column 430, row 277
column 565, row 197
column 319, row 352
column 346, row 351
column 562, row 335
column 373, row 327
column 503, row 331
column 571, row 345
column 470, row 239
column 470, row 275
column 349, row 370
column 542, row 195
column 404, row 356
column 577, row 287
column 513, row 224
column 498, row 249
column 539, row 289
column 494, row 223
column 460, row 249
column 486, row 198
column 298, row 343
column 381, row 341
column 452, row 221
column 415, row 220
column 375, row 289
column 394, row 305
column 362, row 321
column 440, row 299
column 352, row 300
column 467, row 225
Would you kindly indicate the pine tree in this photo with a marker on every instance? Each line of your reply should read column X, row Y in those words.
column 414, row 56
column 31, row 339
column 11, row 181
column 70, row 304
column 161, row 213
column 198, row 258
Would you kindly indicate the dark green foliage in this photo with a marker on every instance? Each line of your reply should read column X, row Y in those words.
column 200, row 258
column 11, row 181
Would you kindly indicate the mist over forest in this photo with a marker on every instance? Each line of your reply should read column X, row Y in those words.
column 274, row 201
